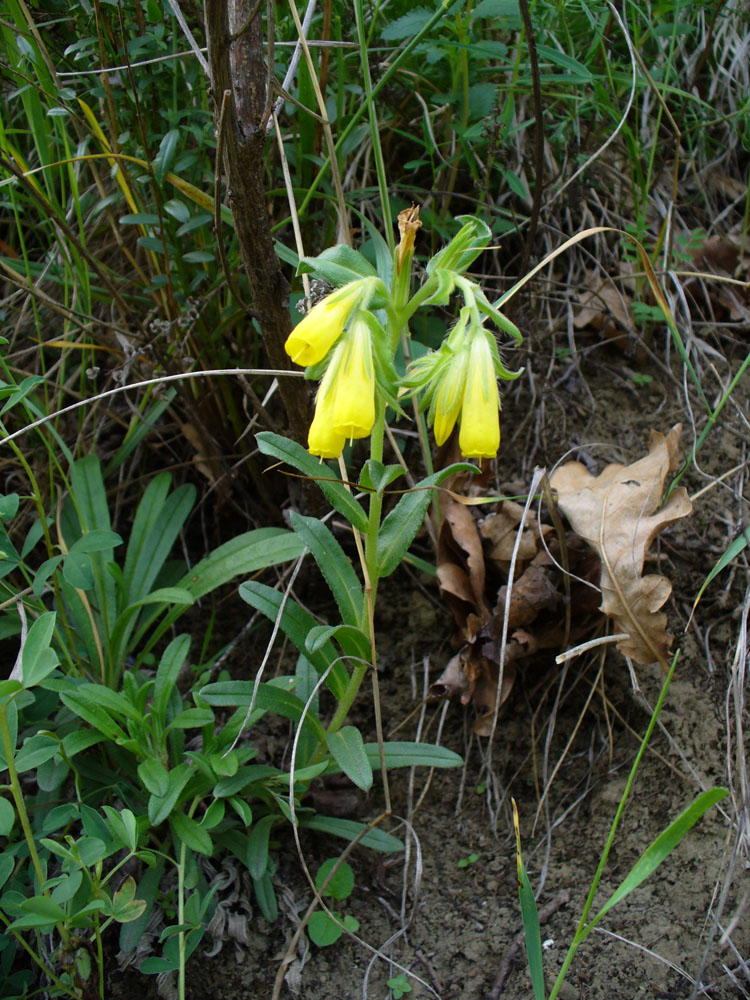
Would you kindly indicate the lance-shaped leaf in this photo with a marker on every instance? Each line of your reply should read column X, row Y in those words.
column 404, row 754
column 339, row 265
column 334, row 565
column 348, row 750
column 402, row 524
column 296, row 624
column 331, row 486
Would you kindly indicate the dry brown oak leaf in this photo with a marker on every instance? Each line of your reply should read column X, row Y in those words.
column 616, row 513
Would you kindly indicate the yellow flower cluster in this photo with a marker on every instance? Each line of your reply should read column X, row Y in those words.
column 467, row 391
column 460, row 383
column 345, row 404
column 459, row 380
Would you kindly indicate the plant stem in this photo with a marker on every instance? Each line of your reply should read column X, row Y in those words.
column 181, row 921
column 370, row 572
column 65, row 990
column 23, row 816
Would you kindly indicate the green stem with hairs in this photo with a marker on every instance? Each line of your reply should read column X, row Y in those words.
column 23, row 816
column 371, row 578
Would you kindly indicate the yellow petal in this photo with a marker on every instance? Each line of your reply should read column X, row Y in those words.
column 315, row 335
column 449, row 398
column 353, row 406
column 480, row 417
column 323, row 440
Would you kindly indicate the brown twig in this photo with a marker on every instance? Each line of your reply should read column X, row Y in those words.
column 536, row 92
column 239, row 67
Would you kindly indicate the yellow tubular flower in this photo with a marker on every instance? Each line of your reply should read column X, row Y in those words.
column 480, row 417
column 315, row 335
column 322, row 438
column 353, row 407
column 449, row 398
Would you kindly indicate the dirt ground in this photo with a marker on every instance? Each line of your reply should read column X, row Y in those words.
column 686, row 931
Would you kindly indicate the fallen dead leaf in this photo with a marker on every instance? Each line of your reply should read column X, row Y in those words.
column 617, row 514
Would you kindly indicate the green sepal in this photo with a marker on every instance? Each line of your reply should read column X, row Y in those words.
column 464, row 248
column 446, row 282
column 339, row 265
column 500, row 320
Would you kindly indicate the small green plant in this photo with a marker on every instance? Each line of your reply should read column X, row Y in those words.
column 399, row 986
column 111, row 614
column 649, row 861
column 326, row 927
column 470, row 859
column 56, row 885
column 126, row 767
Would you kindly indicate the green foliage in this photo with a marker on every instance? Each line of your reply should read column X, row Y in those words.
column 120, row 750
column 110, row 612
column 334, row 880
column 399, row 986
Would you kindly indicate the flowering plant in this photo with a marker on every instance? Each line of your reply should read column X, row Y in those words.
column 457, row 382
column 348, row 342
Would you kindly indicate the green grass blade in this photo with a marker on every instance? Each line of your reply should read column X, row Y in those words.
column 529, row 917
column 661, row 848
column 729, row 556
column 159, row 519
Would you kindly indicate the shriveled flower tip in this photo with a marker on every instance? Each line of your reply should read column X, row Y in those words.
column 315, row 335
column 480, row 412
